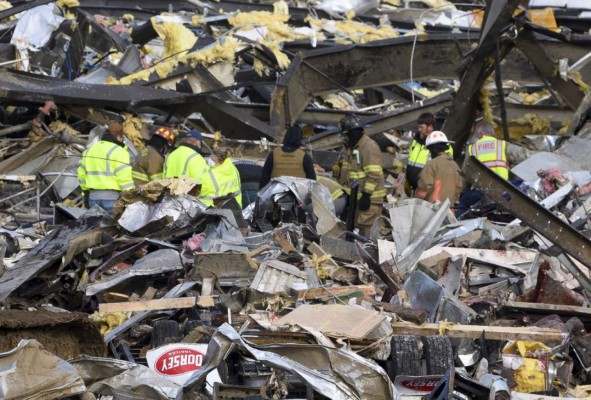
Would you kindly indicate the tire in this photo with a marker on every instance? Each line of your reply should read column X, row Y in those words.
column 405, row 358
column 439, row 355
column 165, row 332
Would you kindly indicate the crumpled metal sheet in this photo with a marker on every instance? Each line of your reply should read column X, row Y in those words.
column 30, row 372
column 413, row 238
column 223, row 235
column 460, row 229
column 158, row 262
column 300, row 187
column 338, row 374
column 181, row 209
column 137, row 383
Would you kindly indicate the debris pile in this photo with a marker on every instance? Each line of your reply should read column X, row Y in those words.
column 174, row 289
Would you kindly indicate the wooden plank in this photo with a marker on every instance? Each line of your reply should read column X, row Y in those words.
column 476, row 331
column 148, row 305
column 415, row 315
column 337, row 291
column 537, row 308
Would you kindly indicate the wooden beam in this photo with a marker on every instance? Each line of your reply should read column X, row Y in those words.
column 537, row 308
column 476, row 331
column 337, row 291
column 148, row 305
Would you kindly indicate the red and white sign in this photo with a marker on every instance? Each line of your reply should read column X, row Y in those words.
column 416, row 385
column 177, row 361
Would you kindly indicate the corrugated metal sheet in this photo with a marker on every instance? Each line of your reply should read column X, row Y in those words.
column 277, row 276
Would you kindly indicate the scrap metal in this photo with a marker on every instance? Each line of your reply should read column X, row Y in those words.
column 571, row 241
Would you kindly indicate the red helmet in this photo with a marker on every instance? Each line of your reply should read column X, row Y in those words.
column 167, row 133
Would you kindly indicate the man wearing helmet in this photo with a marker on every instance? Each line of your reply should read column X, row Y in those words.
column 440, row 178
column 362, row 163
column 148, row 166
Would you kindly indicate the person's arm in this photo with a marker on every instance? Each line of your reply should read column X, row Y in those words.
column 309, row 168
column 266, row 172
column 82, row 173
column 426, row 182
column 372, row 166
column 122, row 168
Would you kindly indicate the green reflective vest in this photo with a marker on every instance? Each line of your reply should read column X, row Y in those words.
column 105, row 166
column 224, row 180
column 185, row 161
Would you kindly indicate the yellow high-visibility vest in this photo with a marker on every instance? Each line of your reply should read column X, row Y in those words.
column 185, row 161
column 491, row 152
column 105, row 166
column 223, row 179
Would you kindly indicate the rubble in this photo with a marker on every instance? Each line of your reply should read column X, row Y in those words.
column 169, row 298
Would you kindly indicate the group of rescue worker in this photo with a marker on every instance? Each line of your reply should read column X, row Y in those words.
column 431, row 174
column 106, row 169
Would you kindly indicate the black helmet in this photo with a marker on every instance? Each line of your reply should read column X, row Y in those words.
column 350, row 122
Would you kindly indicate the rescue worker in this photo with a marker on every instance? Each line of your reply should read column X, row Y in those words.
column 225, row 179
column 186, row 160
column 289, row 159
column 440, row 179
column 105, row 169
column 490, row 151
column 362, row 165
column 149, row 165
column 419, row 155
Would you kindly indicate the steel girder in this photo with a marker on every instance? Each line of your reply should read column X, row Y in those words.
column 438, row 56
column 532, row 214
column 498, row 15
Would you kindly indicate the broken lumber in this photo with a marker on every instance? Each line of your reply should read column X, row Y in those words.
column 477, row 331
column 536, row 308
column 418, row 316
column 148, row 305
column 337, row 291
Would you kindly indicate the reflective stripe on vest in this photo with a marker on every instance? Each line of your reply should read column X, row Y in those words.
column 491, row 152
column 104, row 166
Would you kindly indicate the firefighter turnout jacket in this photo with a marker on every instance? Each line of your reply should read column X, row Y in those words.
column 224, row 180
column 491, row 152
column 185, row 161
column 364, row 164
column 105, row 166
column 148, row 166
column 417, row 159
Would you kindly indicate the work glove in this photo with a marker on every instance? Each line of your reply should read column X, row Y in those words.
column 364, row 201
column 336, row 170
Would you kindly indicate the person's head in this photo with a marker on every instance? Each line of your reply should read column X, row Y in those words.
column 193, row 137
column 293, row 137
column 167, row 133
column 426, row 124
column 220, row 154
column 436, row 143
column 483, row 130
column 115, row 129
column 353, row 129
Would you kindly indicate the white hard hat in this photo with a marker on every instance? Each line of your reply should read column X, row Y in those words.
column 436, row 137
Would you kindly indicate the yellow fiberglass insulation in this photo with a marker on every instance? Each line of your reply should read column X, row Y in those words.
column 263, row 18
column 225, row 51
column 68, row 3
column 178, row 40
column 436, row 3
column 132, row 128
column 60, row 126
column 354, row 32
column 539, row 125
column 395, row 3
column 280, row 8
column 5, row 5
